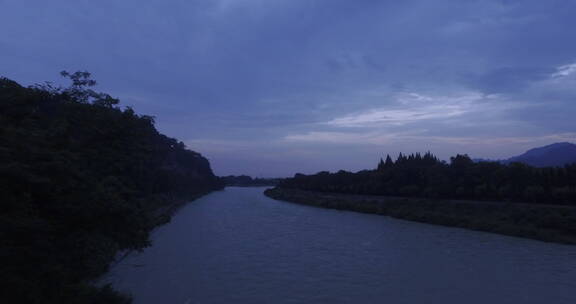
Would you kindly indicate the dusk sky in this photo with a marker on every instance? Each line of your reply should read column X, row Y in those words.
column 274, row 87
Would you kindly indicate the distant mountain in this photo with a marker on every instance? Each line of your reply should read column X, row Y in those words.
column 554, row 155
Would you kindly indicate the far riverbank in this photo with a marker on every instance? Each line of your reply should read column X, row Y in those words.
column 540, row 222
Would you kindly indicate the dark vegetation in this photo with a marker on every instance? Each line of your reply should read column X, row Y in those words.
column 247, row 181
column 540, row 222
column 427, row 177
column 80, row 180
column 513, row 199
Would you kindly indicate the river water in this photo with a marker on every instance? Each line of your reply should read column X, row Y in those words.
column 238, row 246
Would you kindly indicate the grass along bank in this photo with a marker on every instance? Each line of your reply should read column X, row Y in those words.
column 540, row 222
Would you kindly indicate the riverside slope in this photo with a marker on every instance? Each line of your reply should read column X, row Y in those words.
column 545, row 223
column 82, row 179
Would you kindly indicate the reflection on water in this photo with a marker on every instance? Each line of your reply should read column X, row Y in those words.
column 238, row 246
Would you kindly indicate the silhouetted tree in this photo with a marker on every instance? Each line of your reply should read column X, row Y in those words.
column 381, row 165
column 389, row 163
column 425, row 175
column 81, row 179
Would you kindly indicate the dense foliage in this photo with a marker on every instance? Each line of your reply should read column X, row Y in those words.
column 248, row 181
column 425, row 176
column 80, row 180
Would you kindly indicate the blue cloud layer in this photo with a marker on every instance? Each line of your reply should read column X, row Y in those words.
column 274, row 87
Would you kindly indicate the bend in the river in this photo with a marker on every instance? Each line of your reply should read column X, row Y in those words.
column 238, row 246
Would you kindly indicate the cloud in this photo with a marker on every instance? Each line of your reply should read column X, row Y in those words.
column 565, row 70
column 397, row 117
column 340, row 138
column 471, row 112
column 377, row 138
column 408, row 108
column 246, row 80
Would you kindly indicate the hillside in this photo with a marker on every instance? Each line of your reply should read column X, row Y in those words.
column 80, row 180
column 554, row 155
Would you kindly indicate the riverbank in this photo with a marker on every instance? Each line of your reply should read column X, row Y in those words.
column 238, row 246
column 540, row 222
column 83, row 180
column 159, row 217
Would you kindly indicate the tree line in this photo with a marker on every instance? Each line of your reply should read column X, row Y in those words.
column 248, row 181
column 80, row 180
column 426, row 176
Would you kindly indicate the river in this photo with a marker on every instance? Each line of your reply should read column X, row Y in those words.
column 238, row 246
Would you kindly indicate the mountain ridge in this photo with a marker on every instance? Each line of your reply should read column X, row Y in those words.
column 552, row 155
